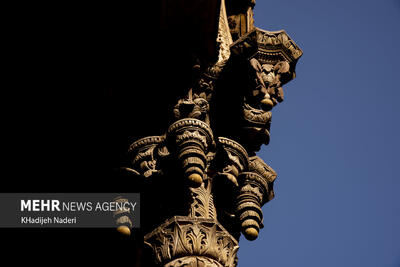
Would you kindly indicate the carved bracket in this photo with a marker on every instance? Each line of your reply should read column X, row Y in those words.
column 145, row 153
column 192, row 139
column 256, row 188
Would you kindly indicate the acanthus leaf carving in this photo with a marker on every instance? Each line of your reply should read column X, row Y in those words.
column 202, row 202
column 180, row 237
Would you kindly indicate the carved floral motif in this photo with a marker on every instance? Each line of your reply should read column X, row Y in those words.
column 202, row 202
column 194, row 261
column 182, row 236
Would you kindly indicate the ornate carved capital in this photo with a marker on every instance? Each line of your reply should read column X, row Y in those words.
column 193, row 261
column 180, row 237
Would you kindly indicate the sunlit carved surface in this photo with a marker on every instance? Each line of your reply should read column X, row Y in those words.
column 201, row 180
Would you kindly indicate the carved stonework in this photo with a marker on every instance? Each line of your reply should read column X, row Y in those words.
column 202, row 183
column 193, row 139
column 271, row 59
column 224, row 38
column 256, row 189
column 142, row 151
column 268, row 47
column 202, row 204
column 240, row 17
column 258, row 166
column 249, row 204
column 236, row 162
column 183, row 236
column 256, row 130
column 194, row 261
column 196, row 108
column 196, row 103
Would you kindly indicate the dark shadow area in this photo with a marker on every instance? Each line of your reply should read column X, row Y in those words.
column 83, row 82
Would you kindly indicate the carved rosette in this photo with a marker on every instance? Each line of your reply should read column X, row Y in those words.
column 192, row 139
column 256, row 188
column 205, row 240
column 144, row 158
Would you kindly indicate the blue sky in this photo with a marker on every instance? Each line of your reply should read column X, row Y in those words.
column 335, row 140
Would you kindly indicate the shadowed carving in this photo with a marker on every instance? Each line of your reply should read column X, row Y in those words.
column 200, row 175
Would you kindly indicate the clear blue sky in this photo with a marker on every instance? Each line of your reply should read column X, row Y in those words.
column 335, row 140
